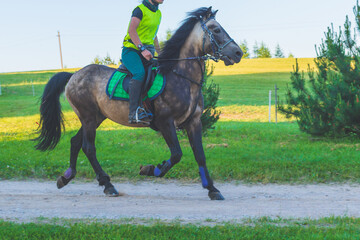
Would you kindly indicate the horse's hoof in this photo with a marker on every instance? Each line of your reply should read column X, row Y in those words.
column 147, row 170
column 111, row 192
column 61, row 182
column 216, row 196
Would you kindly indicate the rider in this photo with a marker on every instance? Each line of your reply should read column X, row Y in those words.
column 139, row 47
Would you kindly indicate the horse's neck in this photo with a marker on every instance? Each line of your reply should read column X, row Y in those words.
column 192, row 48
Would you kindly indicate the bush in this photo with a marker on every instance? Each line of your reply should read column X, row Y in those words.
column 211, row 92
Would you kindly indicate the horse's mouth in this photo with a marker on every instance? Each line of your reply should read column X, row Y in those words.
column 228, row 61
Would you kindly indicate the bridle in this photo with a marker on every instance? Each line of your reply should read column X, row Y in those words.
column 217, row 54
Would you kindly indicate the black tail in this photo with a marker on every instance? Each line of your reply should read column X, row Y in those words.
column 51, row 117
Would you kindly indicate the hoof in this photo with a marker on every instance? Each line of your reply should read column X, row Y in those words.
column 61, row 182
column 147, row 170
column 64, row 180
column 111, row 192
column 216, row 196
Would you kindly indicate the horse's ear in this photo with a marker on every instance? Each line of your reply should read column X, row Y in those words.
column 209, row 12
column 214, row 14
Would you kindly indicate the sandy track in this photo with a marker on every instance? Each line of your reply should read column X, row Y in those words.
column 27, row 200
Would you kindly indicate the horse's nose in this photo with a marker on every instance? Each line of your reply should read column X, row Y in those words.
column 239, row 53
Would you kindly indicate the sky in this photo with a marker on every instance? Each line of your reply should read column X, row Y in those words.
column 28, row 29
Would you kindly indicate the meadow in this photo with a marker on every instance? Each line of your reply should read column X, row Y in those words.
column 244, row 147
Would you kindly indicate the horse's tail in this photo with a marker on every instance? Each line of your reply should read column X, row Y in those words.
column 51, row 117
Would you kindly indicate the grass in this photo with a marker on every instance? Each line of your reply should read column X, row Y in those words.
column 243, row 147
column 264, row 228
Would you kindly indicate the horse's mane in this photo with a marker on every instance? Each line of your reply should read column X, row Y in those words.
column 173, row 46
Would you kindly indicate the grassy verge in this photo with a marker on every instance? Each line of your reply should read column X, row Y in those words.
column 246, row 151
column 327, row 228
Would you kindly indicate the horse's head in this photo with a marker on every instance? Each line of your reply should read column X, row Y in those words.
column 217, row 42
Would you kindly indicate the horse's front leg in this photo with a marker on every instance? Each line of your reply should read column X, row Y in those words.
column 167, row 129
column 194, row 132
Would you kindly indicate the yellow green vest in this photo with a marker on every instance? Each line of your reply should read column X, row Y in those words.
column 147, row 29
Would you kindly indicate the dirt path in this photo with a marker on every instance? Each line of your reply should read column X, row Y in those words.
column 27, row 200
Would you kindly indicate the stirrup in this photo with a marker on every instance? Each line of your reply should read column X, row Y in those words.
column 142, row 116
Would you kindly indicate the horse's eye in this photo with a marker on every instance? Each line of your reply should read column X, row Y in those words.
column 217, row 30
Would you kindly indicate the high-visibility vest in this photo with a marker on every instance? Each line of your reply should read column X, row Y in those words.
column 147, row 29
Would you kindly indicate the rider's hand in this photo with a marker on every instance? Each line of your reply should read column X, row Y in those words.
column 147, row 54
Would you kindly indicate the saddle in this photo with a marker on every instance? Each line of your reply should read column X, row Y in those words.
column 150, row 73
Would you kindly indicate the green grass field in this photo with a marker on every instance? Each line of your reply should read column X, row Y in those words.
column 243, row 147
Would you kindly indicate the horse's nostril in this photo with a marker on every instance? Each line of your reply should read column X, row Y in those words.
column 238, row 53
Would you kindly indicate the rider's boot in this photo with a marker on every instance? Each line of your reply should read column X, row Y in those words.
column 137, row 114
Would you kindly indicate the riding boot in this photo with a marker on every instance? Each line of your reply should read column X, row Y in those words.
column 136, row 113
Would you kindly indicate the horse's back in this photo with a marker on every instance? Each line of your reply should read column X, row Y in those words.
column 86, row 92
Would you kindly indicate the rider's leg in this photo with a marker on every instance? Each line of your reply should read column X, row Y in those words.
column 134, row 64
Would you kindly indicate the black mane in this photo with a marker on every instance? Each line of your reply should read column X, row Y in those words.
column 174, row 44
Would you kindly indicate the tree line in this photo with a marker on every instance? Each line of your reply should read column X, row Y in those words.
column 262, row 51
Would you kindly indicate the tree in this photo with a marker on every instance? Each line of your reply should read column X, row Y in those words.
column 244, row 47
column 105, row 61
column 108, row 61
column 96, row 60
column 291, row 55
column 211, row 93
column 168, row 36
column 328, row 104
column 278, row 52
column 263, row 51
column 256, row 50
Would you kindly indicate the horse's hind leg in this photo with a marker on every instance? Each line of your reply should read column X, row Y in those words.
column 168, row 131
column 193, row 130
column 88, row 146
column 76, row 143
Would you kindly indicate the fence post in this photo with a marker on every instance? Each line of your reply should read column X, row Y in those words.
column 270, row 106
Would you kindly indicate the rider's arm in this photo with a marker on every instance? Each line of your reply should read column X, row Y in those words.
column 134, row 23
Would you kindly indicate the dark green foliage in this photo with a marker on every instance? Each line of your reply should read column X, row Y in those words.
column 211, row 93
column 328, row 104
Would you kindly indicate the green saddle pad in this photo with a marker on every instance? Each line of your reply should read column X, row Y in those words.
column 115, row 87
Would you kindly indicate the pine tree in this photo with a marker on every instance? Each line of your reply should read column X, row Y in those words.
column 328, row 104
column 263, row 51
column 278, row 52
column 256, row 50
column 244, row 47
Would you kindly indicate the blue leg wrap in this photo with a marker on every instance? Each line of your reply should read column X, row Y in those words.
column 164, row 168
column 204, row 180
column 68, row 173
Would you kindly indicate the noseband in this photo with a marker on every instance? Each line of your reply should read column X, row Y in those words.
column 217, row 54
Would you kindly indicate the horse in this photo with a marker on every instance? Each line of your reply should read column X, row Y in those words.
column 179, row 106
